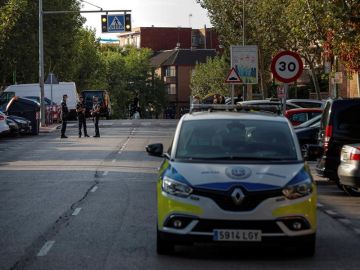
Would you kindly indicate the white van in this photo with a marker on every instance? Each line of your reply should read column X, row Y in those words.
column 33, row 89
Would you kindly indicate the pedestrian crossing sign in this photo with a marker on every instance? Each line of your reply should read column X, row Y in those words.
column 116, row 23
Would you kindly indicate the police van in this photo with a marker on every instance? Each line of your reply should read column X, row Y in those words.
column 234, row 175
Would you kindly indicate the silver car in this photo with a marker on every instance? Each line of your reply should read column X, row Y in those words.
column 349, row 169
column 4, row 128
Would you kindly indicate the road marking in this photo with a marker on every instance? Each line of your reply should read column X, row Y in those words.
column 331, row 212
column 357, row 231
column 113, row 161
column 94, row 189
column 71, row 125
column 320, row 205
column 76, row 211
column 46, row 248
column 345, row 221
column 105, row 173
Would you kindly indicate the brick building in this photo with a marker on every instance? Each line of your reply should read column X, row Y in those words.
column 175, row 68
column 167, row 38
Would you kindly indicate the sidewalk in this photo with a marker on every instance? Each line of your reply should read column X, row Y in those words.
column 49, row 129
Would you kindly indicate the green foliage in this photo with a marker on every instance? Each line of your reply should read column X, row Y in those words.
column 209, row 77
column 128, row 73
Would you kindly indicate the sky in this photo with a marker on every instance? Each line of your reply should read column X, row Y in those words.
column 162, row 13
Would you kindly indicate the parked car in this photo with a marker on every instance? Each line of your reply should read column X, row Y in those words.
column 308, row 103
column 310, row 122
column 301, row 115
column 349, row 169
column 234, row 177
column 103, row 98
column 339, row 125
column 307, row 135
column 4, row 128
column 23, row 124
column 26, row 108
column 265, row 102
column 14, row 128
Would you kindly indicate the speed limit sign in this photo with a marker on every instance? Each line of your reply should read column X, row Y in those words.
column 287, row 66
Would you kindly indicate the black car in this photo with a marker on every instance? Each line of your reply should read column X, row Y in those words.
column 23, row 124
column 14, row 128
column 307, row 135
column 26, row 108
column 339, row 125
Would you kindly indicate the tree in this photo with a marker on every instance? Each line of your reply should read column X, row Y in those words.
column 209, row 77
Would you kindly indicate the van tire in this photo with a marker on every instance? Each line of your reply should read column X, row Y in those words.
column 164, row 247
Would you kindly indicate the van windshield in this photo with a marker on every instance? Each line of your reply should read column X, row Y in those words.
column 230, row 139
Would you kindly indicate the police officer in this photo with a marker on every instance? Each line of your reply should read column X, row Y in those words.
column 64, row 116
column 95, row 112
column 80, row 109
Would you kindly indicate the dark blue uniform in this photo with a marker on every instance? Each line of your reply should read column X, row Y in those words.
column 64, row 116
column 96, row 114
column 80, row 109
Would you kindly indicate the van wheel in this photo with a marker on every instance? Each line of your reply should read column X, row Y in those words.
column 163, row 247
column 352, row 191
column 307, row 246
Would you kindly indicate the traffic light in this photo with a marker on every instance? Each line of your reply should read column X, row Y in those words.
column 127, row 22
column 104, row 23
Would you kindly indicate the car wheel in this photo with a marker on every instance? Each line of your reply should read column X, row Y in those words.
column 163, row 247
column 352, row 191
column 307, row 246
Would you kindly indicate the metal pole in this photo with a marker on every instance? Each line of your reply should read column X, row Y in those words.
column 51, row 85
column 41, row 63
column 286, row 87
column 243, row 36
column 232, row 93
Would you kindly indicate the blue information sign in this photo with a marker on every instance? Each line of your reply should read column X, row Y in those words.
column 116, row 23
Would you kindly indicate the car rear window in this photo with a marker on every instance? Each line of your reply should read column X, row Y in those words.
column 229, row 139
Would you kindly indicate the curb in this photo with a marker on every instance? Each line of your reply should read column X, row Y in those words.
column 48, row 129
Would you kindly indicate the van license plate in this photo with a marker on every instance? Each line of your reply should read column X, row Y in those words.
column 237, row 235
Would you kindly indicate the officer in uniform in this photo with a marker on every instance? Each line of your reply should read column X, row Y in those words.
column 95, row 112
column 80, row 109
column 64, row 116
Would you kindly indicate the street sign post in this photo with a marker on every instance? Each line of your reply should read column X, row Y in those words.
column 286, row 67
column 233, row 78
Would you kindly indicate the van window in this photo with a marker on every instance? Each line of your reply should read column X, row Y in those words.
column 348, row 120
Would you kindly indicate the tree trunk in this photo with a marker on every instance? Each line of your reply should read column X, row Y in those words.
column 262, row 75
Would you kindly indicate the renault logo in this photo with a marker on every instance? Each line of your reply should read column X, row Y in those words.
column 237, row 196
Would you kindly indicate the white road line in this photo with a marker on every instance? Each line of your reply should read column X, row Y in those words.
column 105, row 173
column 113, row 161
column 46, row 248
column 357, row 231
column 94, row 189
column 345, row 221
column 331, row 212
column 320, row 205
column 76, row 211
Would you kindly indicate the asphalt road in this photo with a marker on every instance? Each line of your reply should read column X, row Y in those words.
column 90, row 203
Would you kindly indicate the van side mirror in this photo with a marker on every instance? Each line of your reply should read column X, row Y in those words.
column 155, row 149
column 312, row 152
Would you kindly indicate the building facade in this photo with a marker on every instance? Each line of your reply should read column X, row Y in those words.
column 175, row 68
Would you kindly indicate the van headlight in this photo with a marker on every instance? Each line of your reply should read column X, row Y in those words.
column 298, row 190
column 176, row 188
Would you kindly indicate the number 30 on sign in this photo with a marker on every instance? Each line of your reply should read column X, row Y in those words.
column 287, row 66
